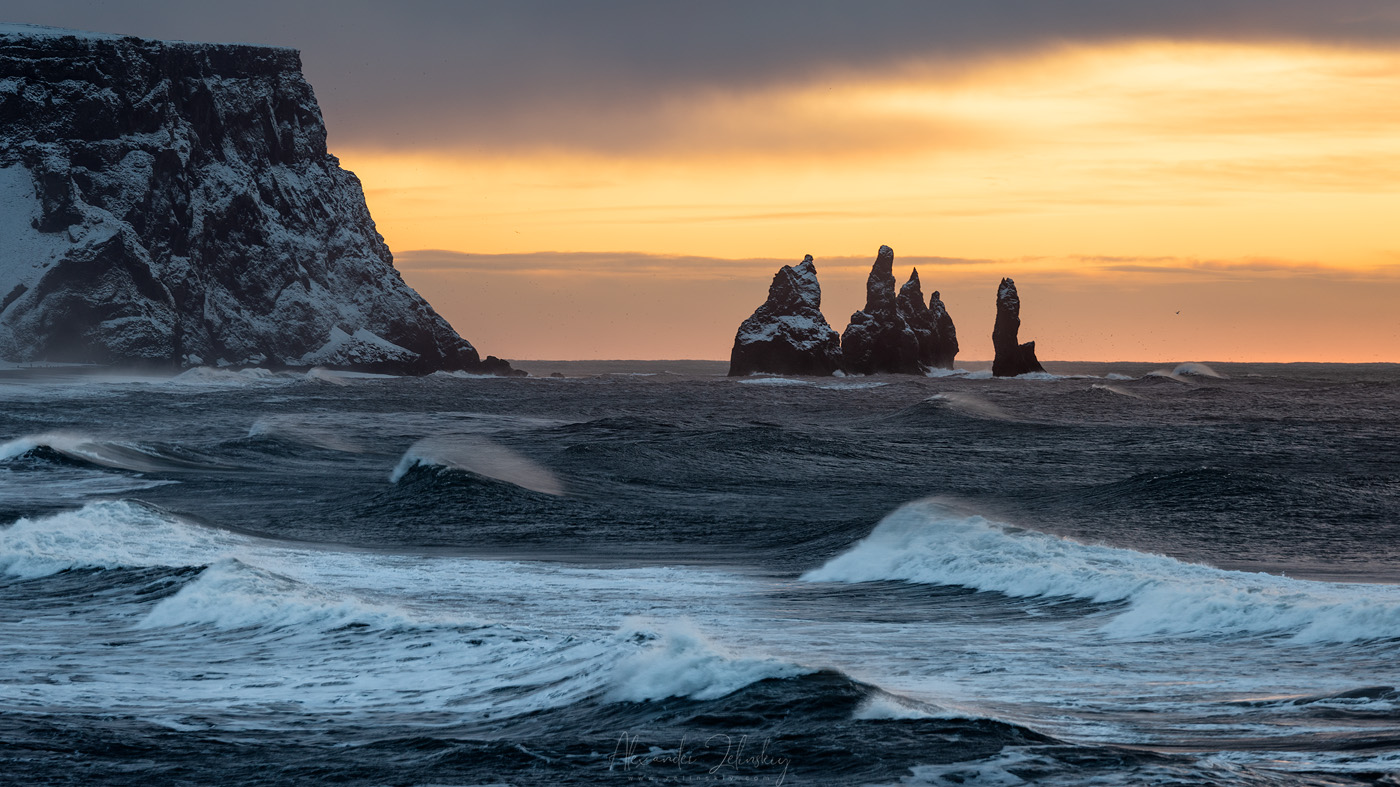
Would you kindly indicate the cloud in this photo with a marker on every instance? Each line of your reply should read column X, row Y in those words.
column 448, row 74
column 639, row 264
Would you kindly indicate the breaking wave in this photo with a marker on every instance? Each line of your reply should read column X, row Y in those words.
column 1183, row 371
column 930, row 543
column 114, row 534
column 357, row 649
column 680, row 661
column 86, row 449
column 967, row 404
column 480, row 456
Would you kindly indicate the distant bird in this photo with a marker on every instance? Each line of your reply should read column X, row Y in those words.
column 1178, row 311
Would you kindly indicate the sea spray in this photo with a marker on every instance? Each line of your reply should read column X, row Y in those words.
column 931, row 543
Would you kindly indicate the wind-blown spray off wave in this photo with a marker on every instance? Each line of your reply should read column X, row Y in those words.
column 930, row 543
column 116, row 454
column 1114, row 389
column 1187, row 370
column 967, row 404
column 480, row 456
column 295, row 430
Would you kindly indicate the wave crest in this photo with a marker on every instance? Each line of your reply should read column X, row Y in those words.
column 480, row 456
column 680, row 661
column 930, row 543
column 112, row 534
column 115, row 454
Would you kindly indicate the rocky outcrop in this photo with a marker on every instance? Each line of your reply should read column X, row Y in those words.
column 788, row 334
column 878, row 339
column 173, row 203
column 1011, row 358
column 943, row 323
column 938, row 340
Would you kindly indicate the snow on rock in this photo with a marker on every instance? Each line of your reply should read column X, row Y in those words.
column 166, row 202
column 358, row 349
column 938, row 341
column 1011, row 359
column 788, row 334
column 878, row 338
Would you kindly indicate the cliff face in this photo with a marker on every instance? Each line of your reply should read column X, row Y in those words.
column 174, row 203
column 1011, row 358
column 788, row 334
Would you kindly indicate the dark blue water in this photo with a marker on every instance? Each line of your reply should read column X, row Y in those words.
column 647, row 572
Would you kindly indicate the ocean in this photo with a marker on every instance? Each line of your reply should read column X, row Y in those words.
column 649, row 573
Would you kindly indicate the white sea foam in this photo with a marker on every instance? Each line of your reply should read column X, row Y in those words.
column 946, row 373
column 851, row 386
column 231, row 595
column 211, row 376
column 771, row 381
column 927, row 542
column 115, row 534
column 884, row 706
column 680, row 661
column 478, row 455
column 1182, row 372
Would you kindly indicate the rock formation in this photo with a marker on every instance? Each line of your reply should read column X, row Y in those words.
column 878, row 339
column 1011, row 358
column 788, row 334
column 173, row 203
column 943, row 323
column 938, row 341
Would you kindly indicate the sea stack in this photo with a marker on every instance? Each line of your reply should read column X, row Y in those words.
column 1011, row 358
column 878, row 340
column 947, row 350
column 788, row 334
column 173, row 204
column 938, row 340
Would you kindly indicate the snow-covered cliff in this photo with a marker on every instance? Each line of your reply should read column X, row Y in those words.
column 173, row 203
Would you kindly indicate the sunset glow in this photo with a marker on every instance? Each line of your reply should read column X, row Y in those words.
column 1174, row 171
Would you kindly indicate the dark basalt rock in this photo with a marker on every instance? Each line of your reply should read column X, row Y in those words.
column 878, row 339
column 947, row 349
column 173, row 203
column 1011, row 358
column 938, row 340
column 788, row 334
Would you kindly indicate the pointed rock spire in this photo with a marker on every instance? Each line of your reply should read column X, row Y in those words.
column 946, row 348
column 938, row 341
column 878, row 338
column 1011, row 358
column 788, row 334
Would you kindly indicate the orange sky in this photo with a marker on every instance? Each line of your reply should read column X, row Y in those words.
column 1250, row 187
